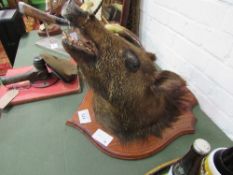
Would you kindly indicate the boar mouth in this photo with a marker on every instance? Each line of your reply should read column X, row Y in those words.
column 74, row 41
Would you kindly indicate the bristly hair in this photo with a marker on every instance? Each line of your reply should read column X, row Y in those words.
column 132, row 99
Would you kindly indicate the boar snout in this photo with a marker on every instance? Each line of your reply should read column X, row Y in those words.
column 72, row 12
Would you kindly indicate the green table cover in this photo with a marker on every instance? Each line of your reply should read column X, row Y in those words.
column 34, row 139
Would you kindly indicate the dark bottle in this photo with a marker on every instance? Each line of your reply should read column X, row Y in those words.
column 191, row 162
column 223, row 160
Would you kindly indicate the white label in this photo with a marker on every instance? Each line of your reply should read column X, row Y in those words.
column 74, row 36
column 102, row 137
column 84, row 116
column 7, row 97
column 54, row 45
column 42, row 27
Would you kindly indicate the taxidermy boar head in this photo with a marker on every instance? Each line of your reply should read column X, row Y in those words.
column 131, row 98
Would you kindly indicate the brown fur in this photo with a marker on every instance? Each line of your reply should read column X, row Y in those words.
column 128, row 104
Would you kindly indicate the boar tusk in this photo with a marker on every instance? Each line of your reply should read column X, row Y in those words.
column 98, row 7
column 124, row 32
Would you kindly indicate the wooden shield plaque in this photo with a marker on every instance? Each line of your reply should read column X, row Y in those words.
column 137, row 149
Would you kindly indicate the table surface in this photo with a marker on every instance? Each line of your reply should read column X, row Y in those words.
column 34, row 139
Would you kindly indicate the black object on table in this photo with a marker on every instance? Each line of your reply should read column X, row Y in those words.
column 11, row 29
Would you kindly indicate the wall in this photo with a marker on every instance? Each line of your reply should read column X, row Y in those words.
column 194, row 38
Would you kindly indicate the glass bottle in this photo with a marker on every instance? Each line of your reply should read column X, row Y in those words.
column 191, row 162
column 218, row 162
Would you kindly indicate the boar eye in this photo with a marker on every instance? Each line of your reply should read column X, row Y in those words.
column 132, row 63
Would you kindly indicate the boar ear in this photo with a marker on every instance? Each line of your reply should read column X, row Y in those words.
column 132, row 62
